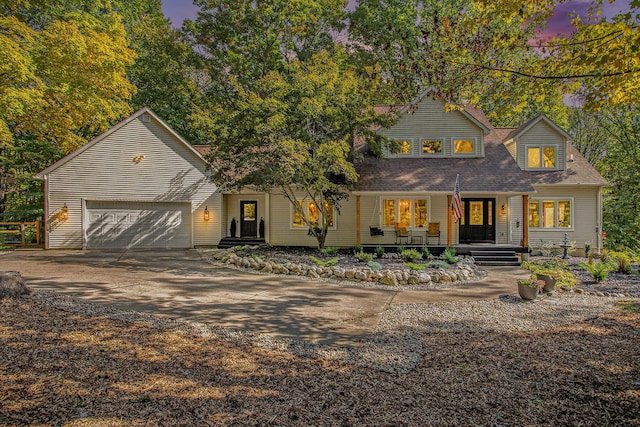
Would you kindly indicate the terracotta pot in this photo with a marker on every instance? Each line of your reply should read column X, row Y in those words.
column 527, row 292
column 549, row 283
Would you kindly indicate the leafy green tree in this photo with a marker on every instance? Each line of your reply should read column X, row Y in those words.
column 64, row 82
column 293, row 134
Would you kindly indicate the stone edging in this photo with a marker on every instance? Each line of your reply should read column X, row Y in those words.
column 463, row 271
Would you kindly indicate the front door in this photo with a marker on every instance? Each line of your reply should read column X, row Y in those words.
column 248, row 219
column 477, row 224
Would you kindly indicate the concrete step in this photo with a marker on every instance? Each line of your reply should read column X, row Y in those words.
column 495, row 257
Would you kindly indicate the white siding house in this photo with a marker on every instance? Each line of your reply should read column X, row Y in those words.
column 138, row 185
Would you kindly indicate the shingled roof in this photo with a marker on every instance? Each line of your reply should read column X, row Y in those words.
column 579, row 171
column 496, row 172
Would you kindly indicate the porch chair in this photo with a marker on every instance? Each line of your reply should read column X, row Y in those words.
column 433, row 231
column 402, row 233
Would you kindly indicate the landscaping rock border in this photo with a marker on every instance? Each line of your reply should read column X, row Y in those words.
column 463, row 271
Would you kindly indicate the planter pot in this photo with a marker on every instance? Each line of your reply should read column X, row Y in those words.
column 549, row 283
column 527, row 292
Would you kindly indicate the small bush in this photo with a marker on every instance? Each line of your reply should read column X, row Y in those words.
column 357, row 248
column 329, row 251
column 622, row 261
column 439, row 264
column 363, row 256
column 400, row 250
column 425, row 252
column 374, row 265
column 410, row 255
column 417, row 267
column 449, row 255
column 328, row 263
column 379, row 251
column 598, row 271
column 554, row 267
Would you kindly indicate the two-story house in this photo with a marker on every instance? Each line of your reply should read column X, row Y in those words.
column 141, row 185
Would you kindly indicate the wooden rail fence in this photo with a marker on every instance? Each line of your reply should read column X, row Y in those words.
column 20, row 233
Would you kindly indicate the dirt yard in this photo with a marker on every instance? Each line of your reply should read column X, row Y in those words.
column 62, row 368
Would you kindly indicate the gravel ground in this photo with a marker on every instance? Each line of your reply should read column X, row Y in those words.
column 566, row 359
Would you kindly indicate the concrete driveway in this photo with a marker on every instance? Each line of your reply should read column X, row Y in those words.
column 178, row 284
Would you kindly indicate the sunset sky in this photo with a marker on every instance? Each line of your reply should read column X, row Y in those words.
column 178, row 10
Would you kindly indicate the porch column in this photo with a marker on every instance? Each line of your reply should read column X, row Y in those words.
column 525, row 220
column 358, row 220
column 449, row 220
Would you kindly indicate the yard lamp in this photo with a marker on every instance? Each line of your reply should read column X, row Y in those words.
column 206, row 213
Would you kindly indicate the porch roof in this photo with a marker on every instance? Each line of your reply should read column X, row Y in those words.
column 496, row 172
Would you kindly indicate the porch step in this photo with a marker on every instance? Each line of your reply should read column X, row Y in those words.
column 495, row 258
column 229, row 242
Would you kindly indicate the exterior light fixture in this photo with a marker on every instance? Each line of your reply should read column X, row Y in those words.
column 206, row 213
column 504, row 209
column 138, row 159
column 64, row 212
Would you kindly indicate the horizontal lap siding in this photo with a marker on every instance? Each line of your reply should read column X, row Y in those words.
column 542, row 134
column 431, row 121
column 282, row 233
column 106, row 171
column 585, row 216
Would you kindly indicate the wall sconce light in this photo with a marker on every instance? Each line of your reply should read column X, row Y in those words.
column 206, row 213
column 64, row 211
column 138, row 159
column 504, row 209
column 518, row 223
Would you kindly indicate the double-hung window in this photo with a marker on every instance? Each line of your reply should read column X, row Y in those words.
column 541, row 157
column 312, row 213
column 550, row 213
column 406, row 212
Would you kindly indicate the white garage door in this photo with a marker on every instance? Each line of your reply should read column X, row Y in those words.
column 116, row 225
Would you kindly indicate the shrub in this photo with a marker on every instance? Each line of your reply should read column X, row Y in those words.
column 328, row 263
column 363, row 256
column 374, row 265
column 400, row 250
column 410, row 255
column 379, row 251
column 587, row 249
column 553, row 267
column 530, row 283
column 449, row 255
column 622, row 261
column 439, row 264
column 598, row 271
column 357, row 248
column 425, row 252
column 329, row 251
column 417, row 267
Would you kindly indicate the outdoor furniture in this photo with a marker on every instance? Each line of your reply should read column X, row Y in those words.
column 416, row 238
column 433, row 231
column 402, row 233
column 376, row 231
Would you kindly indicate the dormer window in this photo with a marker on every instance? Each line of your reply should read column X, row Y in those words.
column 541, row 157
column 464, row 146
column 431, row 146
column 404, row 147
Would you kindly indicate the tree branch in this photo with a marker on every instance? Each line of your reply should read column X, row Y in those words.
column 539, row 77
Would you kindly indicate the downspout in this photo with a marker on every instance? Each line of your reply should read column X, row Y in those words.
column 599, row 224
column 45, row 221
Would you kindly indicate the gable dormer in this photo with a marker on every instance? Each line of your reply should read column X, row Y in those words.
column 539, row 145
column 426, row 130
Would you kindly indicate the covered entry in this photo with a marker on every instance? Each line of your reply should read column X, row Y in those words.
column 477, row 224
column 118, row 224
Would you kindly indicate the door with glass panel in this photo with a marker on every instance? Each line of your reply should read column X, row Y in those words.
column 477, row 224
column 248, row 219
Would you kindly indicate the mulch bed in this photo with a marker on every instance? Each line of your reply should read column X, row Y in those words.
column 60, row 368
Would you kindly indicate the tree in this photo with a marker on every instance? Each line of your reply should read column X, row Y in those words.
column 64, row 82
column 293, row 133
column 163, row 75
column 453, row 46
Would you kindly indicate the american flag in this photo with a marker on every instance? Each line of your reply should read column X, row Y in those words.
column 456, row 205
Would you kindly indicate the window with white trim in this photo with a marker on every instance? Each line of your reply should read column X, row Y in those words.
column 312, row 212
column 408, row 212
column 430, row 147
column 541, row 157
column 464, row 146
column 550, row 213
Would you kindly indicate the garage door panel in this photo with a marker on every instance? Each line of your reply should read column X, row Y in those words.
column 114, row 225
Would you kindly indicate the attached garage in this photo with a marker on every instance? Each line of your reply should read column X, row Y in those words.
column 118, row 224
column 138, row 185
